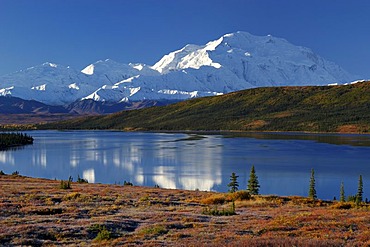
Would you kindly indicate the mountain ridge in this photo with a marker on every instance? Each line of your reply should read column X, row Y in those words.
column 15, row 105
column 236, row 61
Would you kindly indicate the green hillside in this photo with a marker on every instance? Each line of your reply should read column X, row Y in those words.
column 324, row 109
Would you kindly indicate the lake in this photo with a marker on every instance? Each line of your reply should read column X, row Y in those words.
column 283, row 161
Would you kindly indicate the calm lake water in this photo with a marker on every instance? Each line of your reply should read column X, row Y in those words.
column 198, row 161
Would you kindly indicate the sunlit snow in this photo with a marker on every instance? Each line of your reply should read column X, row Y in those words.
column 235, row 61
column 6, row 91
column 73, row 86
column 138, row 67
column 89, row 70
column 40, row 88
column 53, row 65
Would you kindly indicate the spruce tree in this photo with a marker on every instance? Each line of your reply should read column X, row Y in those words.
column 342, row 195
column 233, row 185
column 253, row 184
column 312, row 190
column 360, row 191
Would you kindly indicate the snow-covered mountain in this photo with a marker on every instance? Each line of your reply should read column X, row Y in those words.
column 233, row 62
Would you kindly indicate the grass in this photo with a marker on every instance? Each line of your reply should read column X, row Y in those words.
column 227, row 197
column 216, row 212
column 36, row 212
column 103, row 233
column 153, row 231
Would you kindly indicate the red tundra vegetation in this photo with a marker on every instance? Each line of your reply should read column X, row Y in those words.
column 38, row 212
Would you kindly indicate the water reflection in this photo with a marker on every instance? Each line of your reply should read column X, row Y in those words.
column 74, row 158
column 6, row 157
column 89, row 175
column 164, row 176
column 139, row 177
column 202, row 162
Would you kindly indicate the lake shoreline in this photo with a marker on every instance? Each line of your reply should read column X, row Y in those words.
column 195, row 161
column 36, row 126
column 221, row 132
column 37, row 212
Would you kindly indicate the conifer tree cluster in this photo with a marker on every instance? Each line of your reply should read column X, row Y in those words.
column 358, row 198
column 8, row 140
column 253, row 184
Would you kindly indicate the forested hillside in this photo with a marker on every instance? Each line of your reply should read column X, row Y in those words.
column 8, row 140
column 344, row 108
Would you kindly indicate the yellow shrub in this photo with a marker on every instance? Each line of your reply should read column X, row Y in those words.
column 214, row 199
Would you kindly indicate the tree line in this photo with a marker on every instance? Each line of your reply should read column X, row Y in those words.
column 322, row 109
column 8, row 140
column 253, row 187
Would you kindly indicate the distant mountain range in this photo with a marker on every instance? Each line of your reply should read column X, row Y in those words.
column 15, row 105
column 233, row 62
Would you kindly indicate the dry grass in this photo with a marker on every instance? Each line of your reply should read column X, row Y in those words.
column 36, row 212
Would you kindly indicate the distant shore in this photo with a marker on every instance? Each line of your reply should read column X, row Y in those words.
column 14, row 140
column 33, row 126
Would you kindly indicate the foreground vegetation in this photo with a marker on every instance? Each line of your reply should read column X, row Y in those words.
column 9, row 140
column 35, row 212
column 343, row 108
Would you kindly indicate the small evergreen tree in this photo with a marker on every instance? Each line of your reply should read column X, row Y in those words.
column 233, row 185
column 342, row 195
column 81, row 180
column 360, row 191
column 66, row 184
column 253, row 184
column 312, row 190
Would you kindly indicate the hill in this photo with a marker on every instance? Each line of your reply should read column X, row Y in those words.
column 344, row 108
column 14, row 105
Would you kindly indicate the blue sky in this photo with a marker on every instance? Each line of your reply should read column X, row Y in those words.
column 80, row 32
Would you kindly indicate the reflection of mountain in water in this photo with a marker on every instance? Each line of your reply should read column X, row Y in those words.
column 187, row 161
column 139, row 158
column 191, row 175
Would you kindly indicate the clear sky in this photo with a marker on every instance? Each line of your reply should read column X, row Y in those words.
column 80, row 32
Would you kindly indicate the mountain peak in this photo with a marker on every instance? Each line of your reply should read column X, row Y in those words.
column 254, row 59
column 234, row 61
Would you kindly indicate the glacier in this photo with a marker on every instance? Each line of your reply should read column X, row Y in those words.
column 233, row 62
